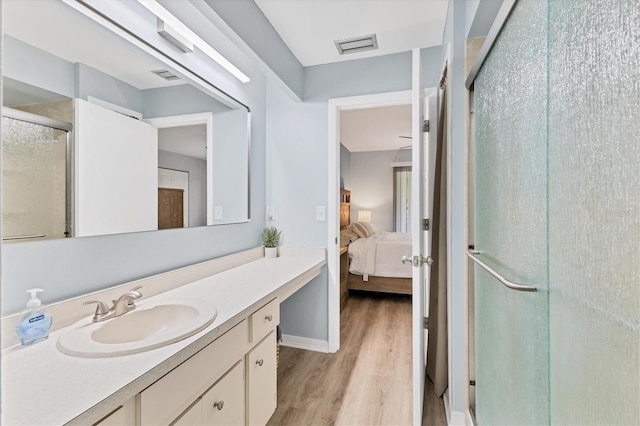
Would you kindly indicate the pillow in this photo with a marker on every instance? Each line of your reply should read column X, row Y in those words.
column 369, row 228
column 360, row 229
column 347, row 237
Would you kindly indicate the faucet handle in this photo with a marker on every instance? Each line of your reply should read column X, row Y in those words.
column 101, row 308
column 134, row 290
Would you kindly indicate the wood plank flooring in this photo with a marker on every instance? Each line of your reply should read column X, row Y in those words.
column 368, row 382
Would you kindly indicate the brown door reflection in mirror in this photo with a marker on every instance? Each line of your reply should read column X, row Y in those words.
column 170, row 208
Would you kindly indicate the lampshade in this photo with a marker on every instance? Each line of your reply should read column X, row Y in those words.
column 364, row 215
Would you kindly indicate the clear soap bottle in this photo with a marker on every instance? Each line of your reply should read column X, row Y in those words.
column 34, row 323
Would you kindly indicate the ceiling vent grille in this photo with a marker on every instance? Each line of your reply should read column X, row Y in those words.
column 167, row 75
column 357, row 44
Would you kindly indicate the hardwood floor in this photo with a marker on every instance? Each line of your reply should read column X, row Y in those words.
column 368, row 382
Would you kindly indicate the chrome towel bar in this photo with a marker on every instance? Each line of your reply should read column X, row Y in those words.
column 520, row 287
column 23, row 237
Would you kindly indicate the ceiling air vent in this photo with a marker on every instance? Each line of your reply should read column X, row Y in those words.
column 357, row 44
column 167, row 75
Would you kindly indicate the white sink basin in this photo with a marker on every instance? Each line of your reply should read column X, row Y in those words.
column 147, row 327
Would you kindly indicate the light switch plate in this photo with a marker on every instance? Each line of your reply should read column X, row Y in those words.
column 270, row 213
column 321, row 213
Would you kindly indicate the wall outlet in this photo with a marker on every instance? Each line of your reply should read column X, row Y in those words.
column 321, row 213
column 217, row 212
column 270, row 213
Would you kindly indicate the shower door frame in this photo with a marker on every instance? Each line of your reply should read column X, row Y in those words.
column 40, row 120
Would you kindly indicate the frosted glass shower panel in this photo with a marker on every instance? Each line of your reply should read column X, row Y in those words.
column 34, row 181
column 594, row 211
column 512, row 327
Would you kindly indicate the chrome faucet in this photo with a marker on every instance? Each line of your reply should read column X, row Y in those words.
column 122, row 305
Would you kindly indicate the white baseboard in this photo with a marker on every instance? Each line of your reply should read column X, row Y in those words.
column 305, row 343
column 454, row 418
column 458, row 418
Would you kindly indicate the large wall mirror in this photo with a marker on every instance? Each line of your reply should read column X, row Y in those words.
column 102, row 137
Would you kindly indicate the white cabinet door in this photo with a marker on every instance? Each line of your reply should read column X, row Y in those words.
column 262, row 381
column 223, row 404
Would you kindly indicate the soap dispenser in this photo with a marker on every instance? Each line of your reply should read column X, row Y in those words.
column 34, row 323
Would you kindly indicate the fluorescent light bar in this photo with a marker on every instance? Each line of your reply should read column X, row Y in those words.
column 179, row 28
column 168, row 32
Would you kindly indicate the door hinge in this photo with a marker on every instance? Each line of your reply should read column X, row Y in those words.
column 425, row 126
column 425, row 323
column 425, row 224
column 472, row 382
column 336, row 240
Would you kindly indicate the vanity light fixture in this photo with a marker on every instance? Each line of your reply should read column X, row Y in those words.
column 176, row 31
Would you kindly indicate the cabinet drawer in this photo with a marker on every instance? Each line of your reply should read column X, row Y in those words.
column 191, row 417
column 163, row 401
column 264, row 320
column 262, row 381
column 124, row 415
column 223, row 404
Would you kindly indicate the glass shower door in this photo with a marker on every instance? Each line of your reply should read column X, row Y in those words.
column 594, row 211
column 512, row 327
column 34, row 173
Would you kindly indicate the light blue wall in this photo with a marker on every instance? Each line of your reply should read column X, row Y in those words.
column 92, row 82
column 345, row 164
column 25, row 63
column 67, row 268
column 297, row 177
column 178, row 100
column 372, row 186
column 297, row 183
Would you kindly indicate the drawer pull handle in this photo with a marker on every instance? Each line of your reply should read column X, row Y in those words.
column 218, row 405
column 260, row 362
column 268, row 317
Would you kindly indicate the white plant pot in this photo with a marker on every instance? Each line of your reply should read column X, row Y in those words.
column 271, row 252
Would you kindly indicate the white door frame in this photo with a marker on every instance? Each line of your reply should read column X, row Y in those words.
column 333, row 215
column 205, row 118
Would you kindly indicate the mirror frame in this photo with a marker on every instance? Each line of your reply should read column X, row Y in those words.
column 189, row 75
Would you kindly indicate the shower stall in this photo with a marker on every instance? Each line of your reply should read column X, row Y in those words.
column 36, row 167
column 556, row 245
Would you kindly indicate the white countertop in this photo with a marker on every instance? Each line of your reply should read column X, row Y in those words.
column 41, row 385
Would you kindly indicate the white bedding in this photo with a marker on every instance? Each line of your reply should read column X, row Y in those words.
column 380, row 255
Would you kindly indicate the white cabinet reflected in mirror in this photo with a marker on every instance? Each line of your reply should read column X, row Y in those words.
column 148, row 149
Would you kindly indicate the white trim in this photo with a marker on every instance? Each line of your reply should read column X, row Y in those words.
column 305, row 343
column 401, row 164
column 454, row 418
column 447, row 407
column 333, row 216
column 470, row 418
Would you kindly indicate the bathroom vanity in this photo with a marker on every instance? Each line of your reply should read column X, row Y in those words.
column 223, row 374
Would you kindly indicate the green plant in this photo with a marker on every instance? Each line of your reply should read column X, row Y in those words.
column 271, row 236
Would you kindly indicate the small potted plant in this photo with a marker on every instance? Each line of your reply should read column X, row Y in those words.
column 270, row 239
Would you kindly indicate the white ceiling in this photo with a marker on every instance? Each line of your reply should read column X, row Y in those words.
column 375, row 129
column 309, row 28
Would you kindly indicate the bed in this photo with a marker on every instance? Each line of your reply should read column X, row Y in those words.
column 376, row 263
column 375, row 257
